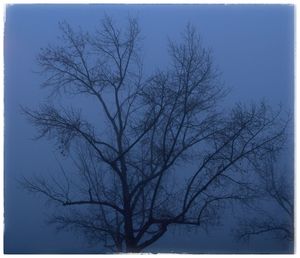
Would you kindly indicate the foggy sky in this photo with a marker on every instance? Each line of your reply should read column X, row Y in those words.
column 252, row 47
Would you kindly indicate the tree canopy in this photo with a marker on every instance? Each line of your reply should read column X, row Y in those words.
column 164, row 150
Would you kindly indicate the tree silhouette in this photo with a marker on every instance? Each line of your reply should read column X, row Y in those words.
column 274, row 187
column 160, row 150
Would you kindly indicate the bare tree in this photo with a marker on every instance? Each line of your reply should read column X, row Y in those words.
column 160, row 150
column 275, row 186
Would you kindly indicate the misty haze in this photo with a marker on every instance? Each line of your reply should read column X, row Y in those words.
column 149, row 128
